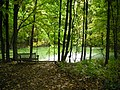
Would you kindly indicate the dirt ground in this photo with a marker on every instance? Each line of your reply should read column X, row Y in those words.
column 38, row 76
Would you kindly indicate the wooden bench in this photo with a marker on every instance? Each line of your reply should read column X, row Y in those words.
column 26, row 57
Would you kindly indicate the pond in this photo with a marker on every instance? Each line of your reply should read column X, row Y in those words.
column 50, row 53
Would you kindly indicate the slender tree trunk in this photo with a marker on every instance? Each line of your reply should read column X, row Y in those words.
column 69, row 31
column 15, row 32
column 73, row 21
column 116, row 35
column 86, row 27
column 74, row 11
column 32, row 33
column 66, row 22
column 54, row 43
column 31, row 40
column 71, row 46
column 90, row 47
column 108, row 34
column 7, row 31
column 59, row 30
column 102, row 41
column 1, row 36
column 83, row 32
column 71, row 43
column 90, row 52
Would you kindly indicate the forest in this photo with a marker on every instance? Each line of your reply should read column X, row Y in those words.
column 74, row 44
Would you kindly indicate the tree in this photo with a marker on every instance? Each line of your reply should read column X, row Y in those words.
column 65, row 31
column 90, row 47
column 59, row 30
column 86, row 27
column 83, row 31
column 7, row 31
column 116, row 33
column 69, row 31
column 15, row 32
column 32, row 32
column 73, row 22
column 108, row 33
column 1, row 32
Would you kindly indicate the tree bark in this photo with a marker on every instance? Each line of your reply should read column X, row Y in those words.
column 90, row 47
column 66, row 22
column 15, row 32
column 90, row 52
column 32, row 32
column 59, row 30
column 83, row 33
column 69, row 31
column 1, row 33
column 116, row 35
column 73, row 21
column 114, row 32
column 7, row 31
column 86, row 27
column 108, row 34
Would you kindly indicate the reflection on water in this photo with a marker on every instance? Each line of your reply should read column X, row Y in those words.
column 47, row 54
column 50, row 54
column 74, row 57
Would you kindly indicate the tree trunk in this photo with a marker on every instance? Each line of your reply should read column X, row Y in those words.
column 66, row 22
column 86, row 27
column 7, row 31
column 73, row 21
column 69, row 31
column 108, row 34
column 116, row 35
column 54, row 43
column 1, row 36
column 59, row 30
column 71, row 46
column 90, row 52
column 83, row 33
column 31, row 40
column 102, row 42
column 114, row 32
column 15, row 32
column 32, row 33
column 71, row 43
column 90, row 47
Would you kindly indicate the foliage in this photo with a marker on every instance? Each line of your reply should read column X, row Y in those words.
column 111, row 75
column 47, row 20
column 95, row 69
column 47, row 15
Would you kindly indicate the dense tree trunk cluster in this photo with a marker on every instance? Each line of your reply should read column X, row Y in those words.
column 79, row 25
column 112, row 24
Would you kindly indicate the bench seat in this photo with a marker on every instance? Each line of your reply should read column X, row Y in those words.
column 26, row 57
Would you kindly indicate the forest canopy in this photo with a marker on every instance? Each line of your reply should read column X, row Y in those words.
column 85, row 23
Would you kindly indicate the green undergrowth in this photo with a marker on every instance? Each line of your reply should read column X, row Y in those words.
column 108, row 76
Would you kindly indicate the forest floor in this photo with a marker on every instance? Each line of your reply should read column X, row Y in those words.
column 40, row 76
